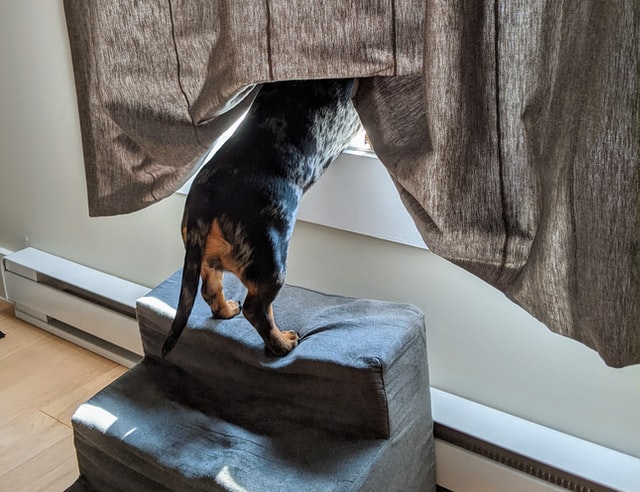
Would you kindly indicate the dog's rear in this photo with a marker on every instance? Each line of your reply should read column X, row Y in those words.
column 242, row 206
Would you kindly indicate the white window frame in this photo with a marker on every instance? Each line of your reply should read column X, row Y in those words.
column 356, row 194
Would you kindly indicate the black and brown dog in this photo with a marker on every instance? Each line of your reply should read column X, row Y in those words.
column 242, row 206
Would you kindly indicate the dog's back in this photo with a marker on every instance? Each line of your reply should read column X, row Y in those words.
column 242, row 206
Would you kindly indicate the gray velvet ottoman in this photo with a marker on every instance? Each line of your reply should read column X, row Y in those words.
column 347, row 410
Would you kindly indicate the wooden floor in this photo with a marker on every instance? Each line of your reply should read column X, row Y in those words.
column 43, row 379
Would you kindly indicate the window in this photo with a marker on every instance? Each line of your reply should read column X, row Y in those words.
column 356, row 194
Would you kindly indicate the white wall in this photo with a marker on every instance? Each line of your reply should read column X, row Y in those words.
column 481, row 346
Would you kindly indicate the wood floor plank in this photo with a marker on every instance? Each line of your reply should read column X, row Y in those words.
column 41, row 373
column 55, row 469
column 28, row 437
column 42, row 380
column 63, row 407
column 18, row 334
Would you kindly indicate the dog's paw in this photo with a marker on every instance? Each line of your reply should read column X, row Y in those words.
column 231, row 309
column 282, row 342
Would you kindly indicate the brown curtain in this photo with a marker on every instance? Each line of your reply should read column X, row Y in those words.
column 511, row 128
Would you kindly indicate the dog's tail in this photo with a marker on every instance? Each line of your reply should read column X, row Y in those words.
column 188, row 291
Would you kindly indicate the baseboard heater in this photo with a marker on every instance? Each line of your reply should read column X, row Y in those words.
column 82, row 305
column 479, row 448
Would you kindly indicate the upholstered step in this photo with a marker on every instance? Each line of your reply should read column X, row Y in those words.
column 143, row 433
column 347, row 410
column 360, row 368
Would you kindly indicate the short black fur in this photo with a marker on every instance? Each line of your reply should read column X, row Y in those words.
column 242, row 206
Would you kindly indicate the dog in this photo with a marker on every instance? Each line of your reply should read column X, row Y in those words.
column 242, row 206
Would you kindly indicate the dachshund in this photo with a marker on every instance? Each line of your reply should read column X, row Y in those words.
column 240, row 212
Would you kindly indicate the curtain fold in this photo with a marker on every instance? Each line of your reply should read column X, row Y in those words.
column 159, row 80
column 527, row 174
column 510, row 128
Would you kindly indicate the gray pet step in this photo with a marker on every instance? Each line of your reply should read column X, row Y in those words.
column 359, row 370
column 141, row 434
column 347, row 410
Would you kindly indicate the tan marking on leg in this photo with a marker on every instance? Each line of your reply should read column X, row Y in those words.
column 218, row 251
column 217, row 257
column 213, row 294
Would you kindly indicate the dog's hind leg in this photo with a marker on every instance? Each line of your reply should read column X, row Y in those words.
column 214, row 296
column 259, row 312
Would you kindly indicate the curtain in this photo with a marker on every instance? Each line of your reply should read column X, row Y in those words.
column 510, row 128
